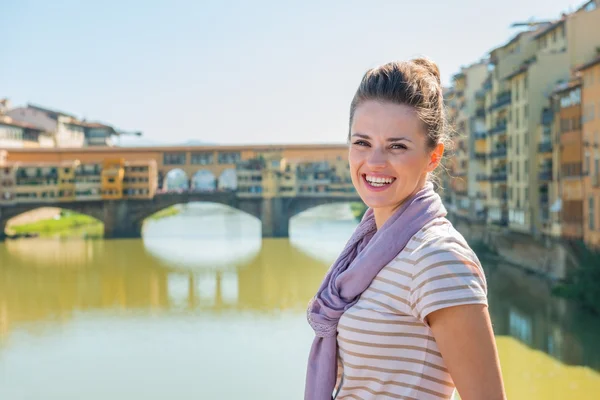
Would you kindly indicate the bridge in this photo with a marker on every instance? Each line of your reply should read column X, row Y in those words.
column 124, row 218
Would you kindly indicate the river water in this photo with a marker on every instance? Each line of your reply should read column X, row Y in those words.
column 203, row 308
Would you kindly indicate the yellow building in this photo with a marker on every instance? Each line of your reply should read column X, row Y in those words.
column 498, row 102
column 39, row 182
column 7, row 180
column 590, row 76
column 288, row 186
column 140, row 179
column 250, row 177
column 575, row 34
column 66, row 180
column 113, row 172
column 88, row 181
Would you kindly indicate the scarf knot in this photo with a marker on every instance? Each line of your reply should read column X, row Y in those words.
column 321, row 329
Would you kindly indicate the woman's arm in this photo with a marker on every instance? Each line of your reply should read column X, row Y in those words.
column 465, row 338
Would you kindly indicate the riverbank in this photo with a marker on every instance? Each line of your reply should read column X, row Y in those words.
column 65, row 223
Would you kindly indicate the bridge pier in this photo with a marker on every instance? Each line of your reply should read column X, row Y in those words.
column 274, row 218
column 119, row 222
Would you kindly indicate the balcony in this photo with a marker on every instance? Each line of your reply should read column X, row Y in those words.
column 499, row 152
column 499, row 128
column 481, row 178
column 545, row 175
column 480, row 135
column 545, row 146
column 487, row 85
column 503, row 99
column 480, row 156
column 547, row 117
column 498, row 176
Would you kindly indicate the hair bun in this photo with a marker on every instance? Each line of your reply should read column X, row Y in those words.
column 430, row 66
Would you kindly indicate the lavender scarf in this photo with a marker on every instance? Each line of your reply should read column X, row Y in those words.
column 365, row 254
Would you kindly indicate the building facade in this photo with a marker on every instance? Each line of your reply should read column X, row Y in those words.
column 590, row 108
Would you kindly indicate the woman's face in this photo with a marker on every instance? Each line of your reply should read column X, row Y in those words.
column 389, row 157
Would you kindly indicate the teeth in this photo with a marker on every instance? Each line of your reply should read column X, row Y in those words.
column 378, row 182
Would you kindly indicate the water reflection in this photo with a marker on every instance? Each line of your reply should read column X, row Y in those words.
column 200, row 312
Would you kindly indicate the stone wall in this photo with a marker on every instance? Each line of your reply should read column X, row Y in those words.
column 548, row 258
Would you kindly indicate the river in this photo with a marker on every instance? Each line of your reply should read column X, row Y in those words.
column 203, row 308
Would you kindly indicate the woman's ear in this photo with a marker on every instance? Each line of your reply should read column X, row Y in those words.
column 435, row 157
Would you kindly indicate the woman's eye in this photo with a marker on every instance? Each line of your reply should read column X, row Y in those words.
column 361, row 143
column 398, row 146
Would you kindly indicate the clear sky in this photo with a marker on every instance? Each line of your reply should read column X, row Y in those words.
column 237, row 71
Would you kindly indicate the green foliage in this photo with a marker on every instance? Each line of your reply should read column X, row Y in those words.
column 358, row 209
column 167, row 212
column 68, row 220
column 583, row 283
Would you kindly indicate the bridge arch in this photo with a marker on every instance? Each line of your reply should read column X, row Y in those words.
column 91, row 209
column 228, row 180
column 301, row 204
column 176, row 180
column 204, row 181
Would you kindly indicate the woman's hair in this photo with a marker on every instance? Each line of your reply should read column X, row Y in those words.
column 415, row 83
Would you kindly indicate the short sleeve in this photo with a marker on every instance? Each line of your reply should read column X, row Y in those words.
column 447, row 273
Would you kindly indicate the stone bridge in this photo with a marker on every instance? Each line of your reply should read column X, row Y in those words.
column 124, row 218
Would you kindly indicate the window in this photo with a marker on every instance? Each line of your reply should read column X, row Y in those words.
column 203, row 158
column 229, row 157
column 586, row 168
column 526, row 194
column 177, row 158
column 591, row 213
column 526, row 168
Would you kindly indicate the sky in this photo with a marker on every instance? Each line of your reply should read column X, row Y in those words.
column 235, row 72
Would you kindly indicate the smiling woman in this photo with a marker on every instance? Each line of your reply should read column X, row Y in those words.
column 402, row 313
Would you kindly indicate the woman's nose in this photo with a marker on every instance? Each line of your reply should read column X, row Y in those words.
column 377, row 158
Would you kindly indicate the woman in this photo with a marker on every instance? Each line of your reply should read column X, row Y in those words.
column 402, row 313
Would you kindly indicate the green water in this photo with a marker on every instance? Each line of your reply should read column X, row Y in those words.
column 202, row 307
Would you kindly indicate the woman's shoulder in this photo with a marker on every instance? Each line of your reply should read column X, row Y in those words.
column 438, row 239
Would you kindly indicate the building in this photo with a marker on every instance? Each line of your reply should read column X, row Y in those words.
column 40, row 182
column 250, row 176
column 7, row 180
column 88, row 181
column 15, row 134
column 113, row 172
column 66, row 129
column 470, row 127
column 140, row 179
column 97, row 134
column 66, row 180
column 590, row 108
column 498, row 95
column 570, row 171
column 575, row 34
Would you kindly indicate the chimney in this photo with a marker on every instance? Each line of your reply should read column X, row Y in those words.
column 4, row 105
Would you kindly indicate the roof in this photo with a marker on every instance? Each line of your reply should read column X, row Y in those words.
column 6, row 120
column 563, row 86
column 520, row 70
column 589, row 64
column 38, row 164
column 50, row 111
column 549, row 28
column 98, row 125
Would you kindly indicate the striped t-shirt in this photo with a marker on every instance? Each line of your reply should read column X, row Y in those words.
column 386, row 348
